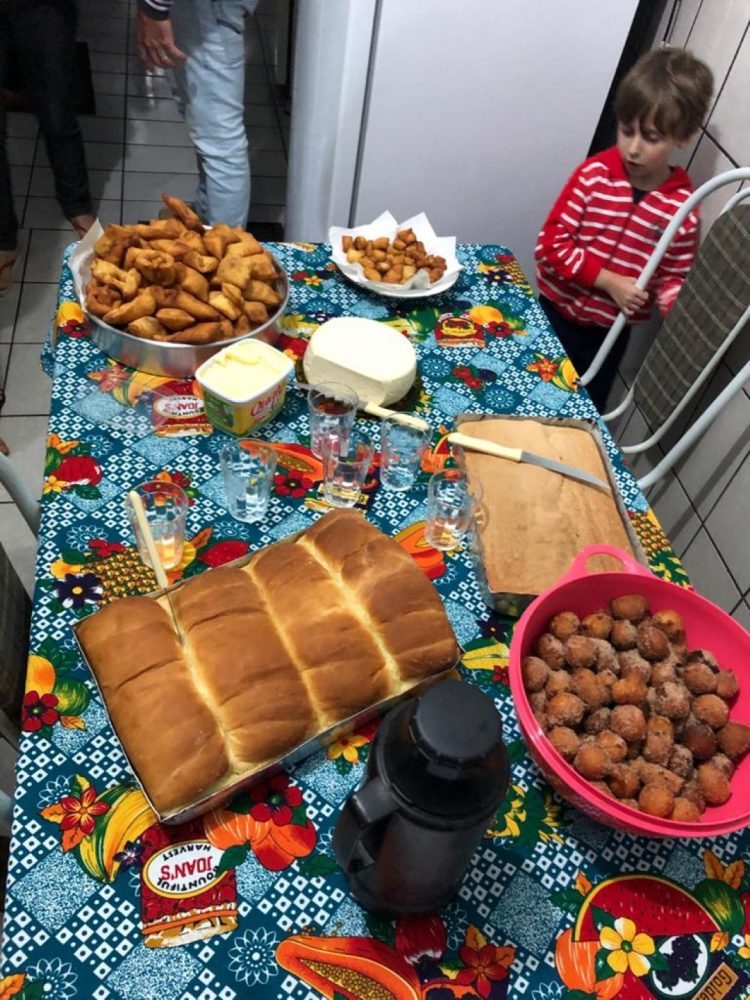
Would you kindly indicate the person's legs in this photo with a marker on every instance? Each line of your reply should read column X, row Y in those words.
column 43, row 34
column 211, row 84
column 581, row 344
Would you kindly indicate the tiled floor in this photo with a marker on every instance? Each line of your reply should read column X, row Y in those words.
column 136, row 148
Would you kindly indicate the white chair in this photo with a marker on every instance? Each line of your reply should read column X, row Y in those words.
column 739, row 174
column 26, row 504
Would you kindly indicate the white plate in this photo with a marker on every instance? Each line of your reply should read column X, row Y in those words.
column 394, row 292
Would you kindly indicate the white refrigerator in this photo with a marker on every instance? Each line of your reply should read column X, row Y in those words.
column 474, row 111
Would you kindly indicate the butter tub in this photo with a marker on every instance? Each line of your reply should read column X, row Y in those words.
column 244, row 385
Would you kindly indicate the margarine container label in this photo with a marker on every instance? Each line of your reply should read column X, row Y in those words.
column 183, row 869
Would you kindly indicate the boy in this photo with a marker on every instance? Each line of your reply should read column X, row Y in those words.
column 613, row 210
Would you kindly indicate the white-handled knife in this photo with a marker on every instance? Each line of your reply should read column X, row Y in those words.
column 518, row 455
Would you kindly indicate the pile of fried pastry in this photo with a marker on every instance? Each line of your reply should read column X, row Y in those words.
column 170, row 280
column 393, row 262
column 646, row 720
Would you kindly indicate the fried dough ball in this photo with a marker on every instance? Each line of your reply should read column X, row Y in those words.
column 672, row 699
column 634, row 749
column 579, row 652
column 713, row 785
column 629, row 722
column 535, row 673
column 630, row 690
column 709, row 708
column 586, row 685
column 559, row 681
column 624, row 781
column 565, row 709
column 631, row 662
column 592, row 762
column 538, row 702
column 734, row 740
column 656, row 773
column 662, row 672
column 703, row 656
column 613, row 745
column 671, row 624
column 681, row 762
column 597, row 625
column 634, row 607
column 551, row 650
column 564, row 625
column 700, row 739
column 727, row 684
column 659, row 740
column 692, row 792
column 680, row 653
column 624, row 635
column 606, row 657
column 597, row 721
column 565, row 741
column 722, row 763
column 607, row 678
column 602, row 786
column 652, row 643
column 656, row 799
column 699, row 678
column 685, row 811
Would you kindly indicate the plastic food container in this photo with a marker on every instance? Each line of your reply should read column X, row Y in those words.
column 706, row 626
column 244, row 385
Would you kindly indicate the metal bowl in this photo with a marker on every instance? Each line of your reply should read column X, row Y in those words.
column 179, row 360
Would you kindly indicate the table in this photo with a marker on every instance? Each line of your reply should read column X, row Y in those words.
column 528, row 917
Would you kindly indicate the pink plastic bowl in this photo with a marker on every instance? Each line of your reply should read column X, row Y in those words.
column 706, row 626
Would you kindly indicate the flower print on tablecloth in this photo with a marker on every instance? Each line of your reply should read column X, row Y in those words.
column 352, row 748
column 526, row 815
column 502, row 269
column 409, row 959
column 270, row 820
column 70, row 321
column 251, row 957
column 559, row 371
column 70, row 468
column 52, row 695
column 638, row 935
column 48, row 978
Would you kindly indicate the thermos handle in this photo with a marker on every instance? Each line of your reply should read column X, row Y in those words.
column 369, row 804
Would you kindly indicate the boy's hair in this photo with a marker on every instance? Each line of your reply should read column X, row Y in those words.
column 673, row 85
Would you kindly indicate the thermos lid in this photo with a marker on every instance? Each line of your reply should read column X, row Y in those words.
column 443, row 753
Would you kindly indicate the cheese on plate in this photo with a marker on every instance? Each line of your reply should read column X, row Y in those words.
column 377, row 362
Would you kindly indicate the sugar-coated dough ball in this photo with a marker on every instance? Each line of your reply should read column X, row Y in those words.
column 659, row 740
column 699, row 678
column 534, row 672
column 656, row 799
column 672, row 699
column 634, row 607
column 685, row 811
column 630, row 690
column 565, row 741
column 580, row 652
column 671, row 624
column 710, row 708
column 624, row 781
column 727, row 684
column 624, row 635
column 700, row 739
column 629, row 722
column 592, row 762
column 734, row 739
column 564, row 625
column 597, row 721
column 597, row 625
column 559, row 681
column 681, row 762
column 613, row 745
column 551, row 650
column 652, row 643
column 713, row 785
column 565, row 709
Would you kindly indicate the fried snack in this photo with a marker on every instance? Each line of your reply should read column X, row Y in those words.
column 175, row 248
column 630, row 662
column 659, row 740
column 193, row 240
column 218, row 238
column 262, row 267
column 624, row 635
column 242, row 326
column 204, row 263
column 174, row 319
column 727, row 684
column 565, row 741
column 144, row 304
column 393, row 262
column 235, row 296
column 662, row 672
column 734, row 740
column 559, row 681
column 598, row 721
column 671, row 625
column 565, row 709
column 245, row 237
column 613, row 745
column 709, row 708
column 629, row 690
column 234, row 271
column 200, row 333
column 155, row 266
column 634, row 607
column 535, row 673
column 579, row 652
column 699, row 678
column 656, row 799
column 592, row 762
column 713, row 785
column 224, row 305
column 191, row 281
column 158, row 229
column 587, row 686
column 564, row 625
column 685, row 811
column 652, row 642
column 629, row 722
column 597, row 625
column 183, row 212
column 126, row 282
column 681, row 761
column 673, row 700
column 147, row 327
column 175, row 298
column 700, row 739
column 114, row 243
column 259, row 291
column 101, row 298
column 256, row 312
column 606, row 657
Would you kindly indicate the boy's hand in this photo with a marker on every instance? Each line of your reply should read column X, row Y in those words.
column 156, row 45
column 622, row 291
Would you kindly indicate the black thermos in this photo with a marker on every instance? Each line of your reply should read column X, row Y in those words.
column 437, row 772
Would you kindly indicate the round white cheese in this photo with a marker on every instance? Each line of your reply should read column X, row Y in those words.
column 377, row 362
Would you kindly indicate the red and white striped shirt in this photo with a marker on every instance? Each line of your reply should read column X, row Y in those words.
column 595, row 223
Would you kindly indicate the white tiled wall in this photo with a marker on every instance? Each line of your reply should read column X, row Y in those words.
column 704, row 505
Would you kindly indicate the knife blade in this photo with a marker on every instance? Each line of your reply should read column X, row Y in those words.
column 529, row 457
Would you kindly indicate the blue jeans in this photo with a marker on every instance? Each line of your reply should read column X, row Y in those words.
column 209, row 87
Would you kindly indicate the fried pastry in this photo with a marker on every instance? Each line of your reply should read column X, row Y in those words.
column 259, row 291
column 183, row 212
column 144, row 304
column 155, row 266
column 147, row 327
column 191, row 281
column 174, row 319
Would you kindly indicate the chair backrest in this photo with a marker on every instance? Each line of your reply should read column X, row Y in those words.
column 713, row 300
column 13, row 483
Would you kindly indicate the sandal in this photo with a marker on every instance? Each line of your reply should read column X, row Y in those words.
column 6, row 276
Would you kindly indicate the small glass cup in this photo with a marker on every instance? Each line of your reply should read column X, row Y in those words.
column 401, row 449
column 450, row 508
column 247, row 468
column 345, row 468
column 165, row 506
column 332, row 408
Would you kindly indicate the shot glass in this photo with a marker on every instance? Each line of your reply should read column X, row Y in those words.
column 165, row 506
column 332, row 408
column 345, row 468
column 451, row 505
column 401, row 449
column 247, row 468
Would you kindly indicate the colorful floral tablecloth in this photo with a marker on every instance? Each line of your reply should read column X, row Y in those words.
column 553, row 906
